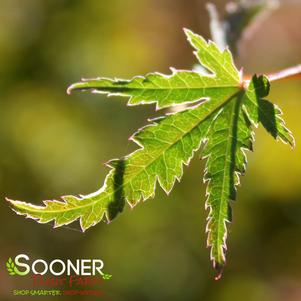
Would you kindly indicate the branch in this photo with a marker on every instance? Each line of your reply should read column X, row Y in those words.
column 292, row 72
column 289, row 73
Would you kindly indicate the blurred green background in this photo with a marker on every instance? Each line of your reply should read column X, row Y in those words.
column 53, row 144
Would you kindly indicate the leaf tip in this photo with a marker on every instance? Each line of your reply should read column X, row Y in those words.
column 219, row 271
column 189, row 34
column 187, row 31
column 69, row 89
column 76, row 86
column 9, row 200
column 218, row 276
column 291, row 141
column 12, row 203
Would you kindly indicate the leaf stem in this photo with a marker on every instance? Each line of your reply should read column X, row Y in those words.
column 292, row 72
column 289, row 73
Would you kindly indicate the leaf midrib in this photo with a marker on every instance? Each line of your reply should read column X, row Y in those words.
column 123, row 88
column 223, row 198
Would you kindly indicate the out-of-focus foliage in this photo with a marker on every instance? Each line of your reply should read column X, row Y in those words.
column 239, row 21
column 52, row 144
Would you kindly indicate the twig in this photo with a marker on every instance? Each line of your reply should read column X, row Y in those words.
column 289, row 73
column 292, row 72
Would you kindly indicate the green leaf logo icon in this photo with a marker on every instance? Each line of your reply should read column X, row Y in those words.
column 10, row 266
column 12, row 269
column 106, row 276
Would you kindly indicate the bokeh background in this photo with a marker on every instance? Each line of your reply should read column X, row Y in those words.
column 53, row 144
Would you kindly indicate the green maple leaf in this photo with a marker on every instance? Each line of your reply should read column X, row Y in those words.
column 221, row 112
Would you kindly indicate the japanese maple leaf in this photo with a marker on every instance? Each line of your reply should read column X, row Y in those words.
column 220, row 115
